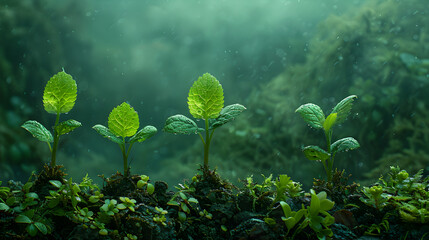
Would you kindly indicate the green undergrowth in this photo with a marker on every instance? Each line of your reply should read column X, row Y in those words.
column 51, row 205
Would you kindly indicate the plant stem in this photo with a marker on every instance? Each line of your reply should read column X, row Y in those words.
column 206, row 147
column 329, row 166
column 125, row 157
column 56, row 139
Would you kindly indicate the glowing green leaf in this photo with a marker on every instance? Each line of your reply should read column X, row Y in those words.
column 315, row 153
column 22, row 219
column 38, row 131
column 227, row 114
column 42, row 227
column 312, row 114
column 60, row 93
column 205, row 97
column 343, row 108
column 329, row 121
column 67, row 126
column 123, row 120
column 145, row 133
column 105, row 132
column 179, row 124
column 344, row 144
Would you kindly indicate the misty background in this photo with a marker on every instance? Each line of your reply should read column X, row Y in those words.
column 147, row 53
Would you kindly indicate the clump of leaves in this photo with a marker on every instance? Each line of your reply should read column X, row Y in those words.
column 205, row 101
column 59, row 97
column 314, row 116
column 124, row 122
column 338, row 189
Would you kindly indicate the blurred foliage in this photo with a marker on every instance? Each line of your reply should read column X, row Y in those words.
column 378, row 52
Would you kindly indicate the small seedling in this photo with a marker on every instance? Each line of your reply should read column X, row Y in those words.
column 59, row 97
column 205, row 101
column 314, row 116
column 124, row 122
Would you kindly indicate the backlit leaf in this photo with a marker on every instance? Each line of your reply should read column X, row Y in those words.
column 105, row 132
column 343, row 108
column 60, row 93
column 144, row 133
column 344, row 144
column 179, row 124
column 38, row 131
column 312, row 114
column 123, row 120
column 67, row 126
column 329, row 121
column 315, row 153
column 205, row 97
column 227, row 114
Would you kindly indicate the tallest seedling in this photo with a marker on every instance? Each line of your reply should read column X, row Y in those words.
column 205, row 101
column 59, row 97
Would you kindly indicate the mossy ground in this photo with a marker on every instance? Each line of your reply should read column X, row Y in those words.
column 220, row 211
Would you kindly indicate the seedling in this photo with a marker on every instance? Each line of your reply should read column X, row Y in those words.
column 205, row 101
column 314, row 116
column 59, row 97
column 123, row 122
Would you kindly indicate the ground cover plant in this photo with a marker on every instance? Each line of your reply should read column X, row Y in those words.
column 49, row 206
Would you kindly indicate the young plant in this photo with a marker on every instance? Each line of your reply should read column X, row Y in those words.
column 124, row 122
column 314, row 116
column 205, row 101
column 59, row 97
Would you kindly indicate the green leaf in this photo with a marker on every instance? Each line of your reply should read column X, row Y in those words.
column 123, row 120
column 315, row 153
column 38, row 131
column 205, row 97
column 60, row 93
column 105, row 132
column 32, row 230
column 329, row 121
column 67, row 126
column 42, row 227
column 4, row 207
column 343, row 108
column 227, row 114
column 150, row 188
column 314, row 205
column 144, row 134
column 344, row 144
column 312, row 114
column 56, row 183
column 22, row 219
column 179, row 124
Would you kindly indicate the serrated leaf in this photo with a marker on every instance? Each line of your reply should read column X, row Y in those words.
column 42, row 227
column 343, row 108
column 329, row 121
column 344, row 144
column 60, row 93
column 179, row 124
column 22, row 219
column 312, row 114
column 315, row 153
column 144, row 134
column 123, row 120
column 205, row 98
column 105, row 132
column 38, row 131
column 227, row 114
column 67, row 126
